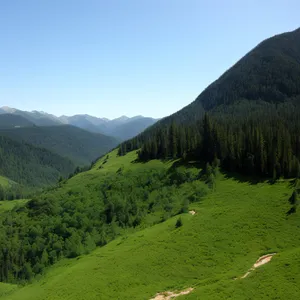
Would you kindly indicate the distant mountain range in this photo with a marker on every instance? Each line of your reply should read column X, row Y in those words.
column 122, row 128
column 36, row 147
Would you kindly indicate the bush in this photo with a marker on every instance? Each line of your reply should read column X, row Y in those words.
column 178, row 223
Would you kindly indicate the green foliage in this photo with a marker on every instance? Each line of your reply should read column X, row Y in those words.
column 247, row 120
column 80, row 146
column 8, row 205
column 31, row 166
column 233, row 227
column 91, row 209
column 259, row 142
column 178, row 223
column 294, row 199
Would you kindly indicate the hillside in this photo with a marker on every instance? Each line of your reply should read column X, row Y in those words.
column 9, row 189
column 81, row 146
column 12, row 121
column 235, row 223
column 31, row 166
column 5, row 182
column 91, row 209
column 248, row 119
column 270, row 73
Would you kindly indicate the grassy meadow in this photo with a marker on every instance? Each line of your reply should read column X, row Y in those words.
column 233, row 226
column 8, row 205
column 5, row 182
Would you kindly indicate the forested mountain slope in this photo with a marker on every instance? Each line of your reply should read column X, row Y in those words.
column 270, row 72
column 31, row 166
column 13, row 121
column 252, row 116
column 79, row 145
column 35, row 117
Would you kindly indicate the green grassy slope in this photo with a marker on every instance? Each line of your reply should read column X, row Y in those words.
column 5, row 182
column 6, row 288
column 234, row 225
column 10, row 204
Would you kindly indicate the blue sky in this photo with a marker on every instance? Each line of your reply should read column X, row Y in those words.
column 126, row 57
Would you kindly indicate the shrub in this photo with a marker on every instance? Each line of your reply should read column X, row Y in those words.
column 178, row 223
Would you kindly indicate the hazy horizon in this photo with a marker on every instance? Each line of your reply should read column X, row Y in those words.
column 4, row 107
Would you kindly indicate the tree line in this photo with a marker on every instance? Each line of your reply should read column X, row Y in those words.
column 258, row 139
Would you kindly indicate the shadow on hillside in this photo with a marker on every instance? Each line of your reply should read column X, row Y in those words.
column 188, row 164
column 175, row 164
column 251, row 179
column 138, row 161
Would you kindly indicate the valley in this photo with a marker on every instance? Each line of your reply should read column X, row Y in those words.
column 203, row 203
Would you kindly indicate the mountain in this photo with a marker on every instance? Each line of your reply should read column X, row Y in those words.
column 248, row 120
column 134, row 125
column 12, row 121
column 121, row 128
column 86, row 122
column 37, row 118
column 79, row 145
column 270, row 72
column 7, row 110
column 206, row 195
column 31, row 166
column 131, row 128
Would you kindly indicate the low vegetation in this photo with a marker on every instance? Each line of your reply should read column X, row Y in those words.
column 234, row 226
column 91, row 209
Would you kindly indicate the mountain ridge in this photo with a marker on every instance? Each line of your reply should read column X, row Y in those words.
column 90, row 123
column 241, row 119
column 80, row 146
column 19, row 159
column 12, row 110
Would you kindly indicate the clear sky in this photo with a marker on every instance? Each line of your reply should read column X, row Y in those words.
column 126, row 57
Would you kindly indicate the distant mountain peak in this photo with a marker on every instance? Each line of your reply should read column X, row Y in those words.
column 8, row 109
column 121, row 118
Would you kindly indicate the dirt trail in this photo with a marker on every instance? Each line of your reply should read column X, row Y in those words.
column 171, row 295
column 261, row 261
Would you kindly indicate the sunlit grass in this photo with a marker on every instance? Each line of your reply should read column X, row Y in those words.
column 232, row 227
